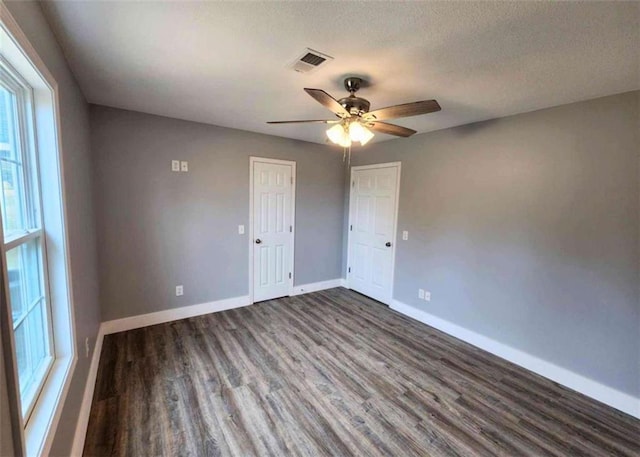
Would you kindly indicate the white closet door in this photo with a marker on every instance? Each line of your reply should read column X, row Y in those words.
column 372, row 211
column 272, row 230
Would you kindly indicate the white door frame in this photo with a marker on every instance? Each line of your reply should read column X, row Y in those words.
column 292, row 163
column 398, row 166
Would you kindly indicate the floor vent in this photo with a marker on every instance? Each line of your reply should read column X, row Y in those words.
column 310, row 60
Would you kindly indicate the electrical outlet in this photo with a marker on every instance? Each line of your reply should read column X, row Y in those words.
column 405, row 235
column 175, row 165
column 86, row 347
column 427, row 295
column 184, row 166
column 241, row 229
column 421, row 294
column 179, row 291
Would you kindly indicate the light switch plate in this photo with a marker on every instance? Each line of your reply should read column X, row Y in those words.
column 175, row 165
column 241, row 229
column 405, row 235
column 427, row 295
column 184, row 166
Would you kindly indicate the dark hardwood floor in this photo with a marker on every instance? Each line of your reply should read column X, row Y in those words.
column 332, row 373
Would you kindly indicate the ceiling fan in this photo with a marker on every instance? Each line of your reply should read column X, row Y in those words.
column 354, row 120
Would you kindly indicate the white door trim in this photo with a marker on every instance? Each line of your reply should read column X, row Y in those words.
column 398, row 166
column 292, row 163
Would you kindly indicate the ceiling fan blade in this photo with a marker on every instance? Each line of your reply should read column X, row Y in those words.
column 406, row 110
column 328, row 102
column 391, row 129
column 315, row 121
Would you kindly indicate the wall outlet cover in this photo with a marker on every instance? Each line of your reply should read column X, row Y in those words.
column 421, row 294
column 179, row 291
column 405, row 235
column 175, row 165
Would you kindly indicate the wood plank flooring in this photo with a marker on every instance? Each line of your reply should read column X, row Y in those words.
column 332, row 373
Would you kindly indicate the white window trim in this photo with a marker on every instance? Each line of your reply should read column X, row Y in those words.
column 29, row 159
column 36, row 436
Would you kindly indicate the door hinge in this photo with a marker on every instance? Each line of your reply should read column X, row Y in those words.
column 351, row 228
column 353, row 184
column 349, row 269
column 289, row 275
column 291, row 228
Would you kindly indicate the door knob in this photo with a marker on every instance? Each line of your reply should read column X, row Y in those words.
column 388, row 244
column 258, row 241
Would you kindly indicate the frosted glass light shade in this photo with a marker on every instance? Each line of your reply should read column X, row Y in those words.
column 358, row 132
column 337, row 134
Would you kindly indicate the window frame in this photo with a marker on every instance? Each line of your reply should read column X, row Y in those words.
column 30, row 171
column 35, row 436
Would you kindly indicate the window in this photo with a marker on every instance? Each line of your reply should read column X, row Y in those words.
column 35, row 275
column 23, row 245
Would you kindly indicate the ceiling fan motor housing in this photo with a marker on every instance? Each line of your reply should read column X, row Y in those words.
column 355, row 105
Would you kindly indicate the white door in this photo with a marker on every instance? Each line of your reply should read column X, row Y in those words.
column 272, row 242
column 372, row 225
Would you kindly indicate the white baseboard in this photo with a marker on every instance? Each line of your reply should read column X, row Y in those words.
column 608, row 395
column 316, row 286
column 87, row 397
column 160, row 317
column 168, row 315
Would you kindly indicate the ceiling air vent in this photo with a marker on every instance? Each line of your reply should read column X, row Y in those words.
column 310, row 60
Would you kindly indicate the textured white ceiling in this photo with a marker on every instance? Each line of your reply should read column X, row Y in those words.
column 227, row 63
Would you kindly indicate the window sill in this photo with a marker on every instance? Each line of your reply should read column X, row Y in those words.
column 46, row 412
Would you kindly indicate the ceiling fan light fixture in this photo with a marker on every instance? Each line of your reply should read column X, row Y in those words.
column 344, row 134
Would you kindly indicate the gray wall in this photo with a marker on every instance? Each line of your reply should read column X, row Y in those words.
column 527, row 230
column 158, row 229
column 82, row 247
